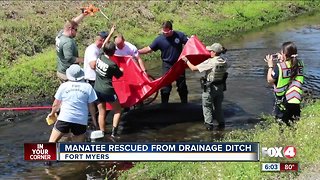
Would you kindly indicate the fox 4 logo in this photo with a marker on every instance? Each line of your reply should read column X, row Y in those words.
column 288, row 151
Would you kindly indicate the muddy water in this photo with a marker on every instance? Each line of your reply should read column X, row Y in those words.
column 247, row 97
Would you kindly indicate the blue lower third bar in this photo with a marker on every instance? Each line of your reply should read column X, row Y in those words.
column 182, row 151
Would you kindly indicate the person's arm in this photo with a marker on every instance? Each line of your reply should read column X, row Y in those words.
column 145, row 50
column 269, row 61
column 189, row 64
column 92, row 111
column 79, row 18
column 79, row 60
column 55, row 107
column 109, row 36
column 57, row 100
column 135, row 55
column 92, row 64
column 153, row 47
column 141, row 63
column 269, row 76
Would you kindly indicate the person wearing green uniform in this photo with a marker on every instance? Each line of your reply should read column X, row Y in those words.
column 215, row 69
column 66, row 47
column 287, row 79
column 105, row 70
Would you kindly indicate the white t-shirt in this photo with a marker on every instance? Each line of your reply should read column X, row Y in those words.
column 128, row 49
column 75, row 97
column 91, row 54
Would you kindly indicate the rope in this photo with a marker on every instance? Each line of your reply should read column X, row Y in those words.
column 25, row 108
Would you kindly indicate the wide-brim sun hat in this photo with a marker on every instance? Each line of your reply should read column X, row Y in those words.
column 75, row 73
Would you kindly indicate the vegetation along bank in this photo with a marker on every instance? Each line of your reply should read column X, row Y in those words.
column 304, row 136
column 28, row 60
column 28, row 65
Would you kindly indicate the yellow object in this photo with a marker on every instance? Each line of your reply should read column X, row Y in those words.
column 51, row 119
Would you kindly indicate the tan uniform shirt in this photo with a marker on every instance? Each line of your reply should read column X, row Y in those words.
column 214, row 67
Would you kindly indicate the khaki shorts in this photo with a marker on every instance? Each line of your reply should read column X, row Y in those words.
column 62, row 77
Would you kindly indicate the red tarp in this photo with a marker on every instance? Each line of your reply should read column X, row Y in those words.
column 135, row 86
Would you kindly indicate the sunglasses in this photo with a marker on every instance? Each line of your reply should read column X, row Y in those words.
column 75, row 29
column 166, row 32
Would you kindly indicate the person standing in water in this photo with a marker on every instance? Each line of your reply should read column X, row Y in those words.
column 170, row 43
column 105, row 70
column 213, row 84
column 287, row 78
column 74, row 98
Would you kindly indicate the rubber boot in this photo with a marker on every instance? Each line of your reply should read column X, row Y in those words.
column 165, row 98
column 114, row 131
column 184, row 98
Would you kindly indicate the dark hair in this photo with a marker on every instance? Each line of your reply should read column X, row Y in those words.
column 224, row 50
column 109, row 48
column 167, row 24
column 290, row 50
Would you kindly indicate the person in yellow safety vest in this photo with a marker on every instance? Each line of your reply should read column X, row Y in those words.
column 287, row 80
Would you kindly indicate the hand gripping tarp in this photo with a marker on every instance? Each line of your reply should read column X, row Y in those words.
column 135, row 86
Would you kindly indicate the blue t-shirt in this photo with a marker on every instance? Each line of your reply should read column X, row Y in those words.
column 75, row 97
column 170, row 47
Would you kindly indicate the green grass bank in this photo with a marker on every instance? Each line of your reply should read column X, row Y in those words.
column 28, row 61
column 304, row 137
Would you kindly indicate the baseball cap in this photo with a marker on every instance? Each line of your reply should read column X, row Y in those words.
column 103, row 34
column 216, row 47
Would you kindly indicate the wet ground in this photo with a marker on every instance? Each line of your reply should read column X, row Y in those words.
column 247, row 97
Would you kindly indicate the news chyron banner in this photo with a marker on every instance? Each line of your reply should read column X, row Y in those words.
column 182, row 151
